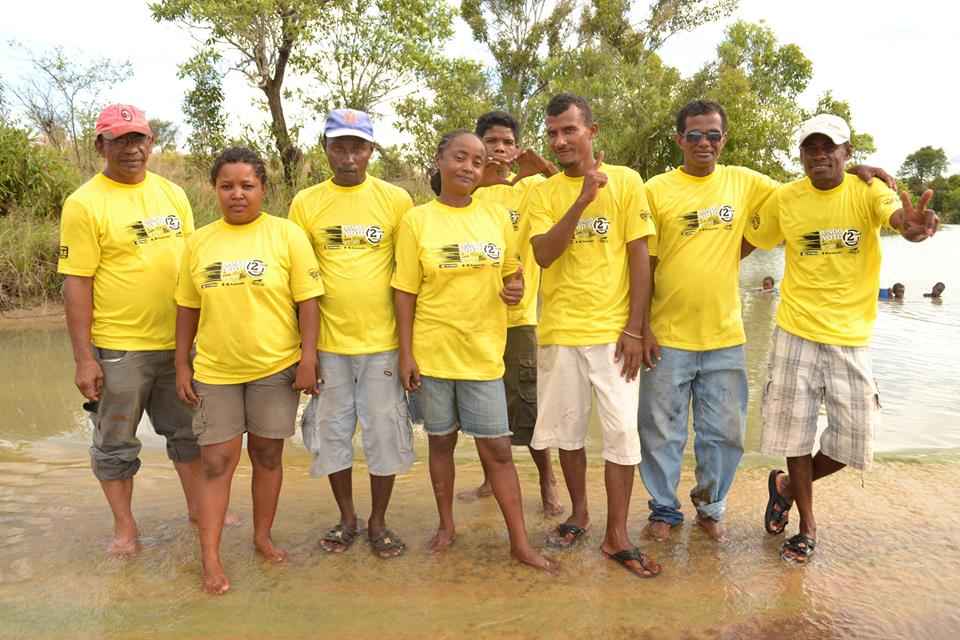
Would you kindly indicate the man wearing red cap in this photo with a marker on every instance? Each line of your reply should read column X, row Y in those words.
column 121, row 237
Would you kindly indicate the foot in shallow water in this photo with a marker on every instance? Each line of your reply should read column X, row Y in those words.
column 634, row 561
column 712, row 527
column 215, row 581
column 533, row 558
column 441, row 540
column 269, row 551
column 550, row 499
column 472, row 495
column 125, row 542
column 658, row 530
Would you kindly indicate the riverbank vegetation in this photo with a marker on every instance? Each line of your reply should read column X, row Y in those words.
column 395, row 57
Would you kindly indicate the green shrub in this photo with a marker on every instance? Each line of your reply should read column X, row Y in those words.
column 33, row 178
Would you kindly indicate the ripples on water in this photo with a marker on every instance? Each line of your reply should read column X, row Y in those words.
column 887, row 566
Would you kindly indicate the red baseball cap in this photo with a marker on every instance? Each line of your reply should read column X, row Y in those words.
column 120, row 119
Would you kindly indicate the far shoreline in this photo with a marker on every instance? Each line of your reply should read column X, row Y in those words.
column 39, row 316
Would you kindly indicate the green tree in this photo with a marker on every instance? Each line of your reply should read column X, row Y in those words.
column 203, row 106
column 261, row 36
column 62, row 94
column 522, row 36
column 369, row 50
column 922, row 166
column 164, row 134
column 758, row 82
column 457, row 91
column 862, row 143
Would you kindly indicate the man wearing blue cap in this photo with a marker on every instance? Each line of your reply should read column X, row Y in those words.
column 350, row 220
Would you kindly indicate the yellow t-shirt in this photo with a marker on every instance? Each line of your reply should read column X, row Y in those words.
column 586, row 292
column 512, row 197
column 454, row 260
column 829, row 289
column 352, row 231
column 700, row 222
column 128, row 238
column 246, row 280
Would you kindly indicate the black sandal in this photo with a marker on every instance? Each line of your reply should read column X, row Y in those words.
column 774, row 516
column 558, row 538
column 801, row 546
column 651, row 569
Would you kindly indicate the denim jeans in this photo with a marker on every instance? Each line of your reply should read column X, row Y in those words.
column 716, row 382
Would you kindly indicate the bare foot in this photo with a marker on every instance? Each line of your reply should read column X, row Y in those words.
column 215, row 581
column 551, row 502
column 535, row 559
column 441, row 540
column 633, row 560
column 657, row 530
column 125, row 542
column 270, row 552
column 712, row 527
column 471, row 495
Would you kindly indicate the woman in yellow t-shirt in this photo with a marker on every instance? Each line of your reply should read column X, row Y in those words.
column 456, row 270
column 247, row 294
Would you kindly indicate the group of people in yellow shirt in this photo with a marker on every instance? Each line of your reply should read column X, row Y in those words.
column 501, row 309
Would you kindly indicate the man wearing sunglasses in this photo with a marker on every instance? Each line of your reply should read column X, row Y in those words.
column 693, row 346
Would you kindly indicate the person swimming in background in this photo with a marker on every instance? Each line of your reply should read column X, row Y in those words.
column 937, row 292
column 893, row 293
column 768, row 285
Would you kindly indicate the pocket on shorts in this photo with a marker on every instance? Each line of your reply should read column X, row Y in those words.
column 111, row 356
column 200, row 422
column 404, row 427
column 527, row 379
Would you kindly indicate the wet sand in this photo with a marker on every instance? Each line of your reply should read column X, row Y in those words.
column 887, row 564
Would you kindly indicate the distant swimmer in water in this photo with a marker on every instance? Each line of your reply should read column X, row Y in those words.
column 937, row 292
column 768, row 285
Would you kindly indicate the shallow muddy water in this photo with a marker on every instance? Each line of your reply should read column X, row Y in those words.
column 887, row 564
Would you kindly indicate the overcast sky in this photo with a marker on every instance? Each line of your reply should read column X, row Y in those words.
column 894, row 62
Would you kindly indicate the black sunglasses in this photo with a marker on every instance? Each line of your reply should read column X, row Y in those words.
column 694, row 136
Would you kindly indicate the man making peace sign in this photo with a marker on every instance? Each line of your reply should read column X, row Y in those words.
column 831, row 223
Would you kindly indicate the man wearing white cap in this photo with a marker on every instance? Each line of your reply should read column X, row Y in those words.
column 351, row 220
column 830, row 223
column 121, row 237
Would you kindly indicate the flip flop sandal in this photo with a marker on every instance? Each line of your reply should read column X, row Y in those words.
column 387, row 545
column 801, row 546
column 773, row 517
column 558, row 538
column 622, row 557
column 339, row 535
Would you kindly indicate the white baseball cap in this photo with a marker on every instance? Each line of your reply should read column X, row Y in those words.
column 834, row 127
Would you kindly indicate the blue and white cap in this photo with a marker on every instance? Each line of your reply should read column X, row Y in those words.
column 348, row 122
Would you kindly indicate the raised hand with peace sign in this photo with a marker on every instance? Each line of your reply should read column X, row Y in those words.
column 916, row 223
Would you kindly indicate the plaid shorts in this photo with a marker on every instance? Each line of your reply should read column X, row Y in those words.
column 803, row 375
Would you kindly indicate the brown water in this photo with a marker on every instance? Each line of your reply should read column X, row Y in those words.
column 887, row 566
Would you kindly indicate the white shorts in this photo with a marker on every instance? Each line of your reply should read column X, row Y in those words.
column 805, row 375
column 567, row 379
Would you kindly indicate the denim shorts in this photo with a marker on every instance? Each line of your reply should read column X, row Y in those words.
column 477, row 407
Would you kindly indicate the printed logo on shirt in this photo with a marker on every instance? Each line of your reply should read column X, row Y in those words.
column 157, row 228
column 64, row 252
column 234, row 272
column 353, row 236
column 469, row 254
column 515, row 219
column 830, row 242
column 709, row 219
column 591, row 229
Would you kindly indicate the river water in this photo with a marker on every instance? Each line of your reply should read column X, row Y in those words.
column 887, row 566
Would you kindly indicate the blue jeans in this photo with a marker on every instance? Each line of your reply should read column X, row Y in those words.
column 716, row 381
column 478, row 408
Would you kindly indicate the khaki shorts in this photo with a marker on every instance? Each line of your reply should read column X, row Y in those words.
column 520, row 380
column 266, row 407
column 803, row 375
column 567, row 379
column 135, row 382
